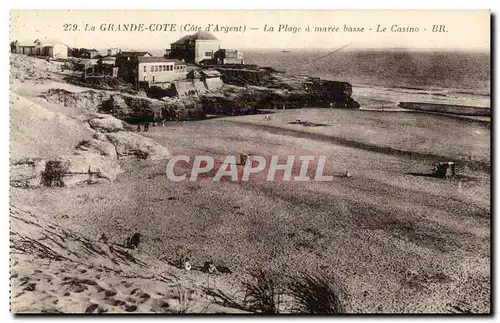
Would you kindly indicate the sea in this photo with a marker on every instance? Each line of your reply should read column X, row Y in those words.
column 382, row 78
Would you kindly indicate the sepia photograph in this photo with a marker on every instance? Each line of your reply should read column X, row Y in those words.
column 250, row 162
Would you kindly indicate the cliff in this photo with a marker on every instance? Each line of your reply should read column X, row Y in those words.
column 246, row 89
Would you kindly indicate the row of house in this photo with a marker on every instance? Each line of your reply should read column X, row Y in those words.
column 199, row 48
column 139, row 67
column 41, row 47
column 56, row 49
column 144, row 70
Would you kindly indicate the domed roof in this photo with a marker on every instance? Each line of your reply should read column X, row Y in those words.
column 201, row 35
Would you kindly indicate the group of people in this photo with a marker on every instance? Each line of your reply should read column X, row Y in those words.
column 154, row 123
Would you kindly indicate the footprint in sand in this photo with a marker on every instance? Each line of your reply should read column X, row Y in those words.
column 109, row 293
column 91, row 308
column 130, row 308
column 144, row 298
column 118, row 302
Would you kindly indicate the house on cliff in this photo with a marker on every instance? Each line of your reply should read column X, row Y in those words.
column 228, row 56
column 211, row 79
column 197, row 82
column 144, row 70
column 195, row 48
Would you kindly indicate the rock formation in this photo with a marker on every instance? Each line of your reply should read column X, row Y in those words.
column 27, row 172
column 106, row 123
column 134, row 145
column 88, row 168
column 97, row 145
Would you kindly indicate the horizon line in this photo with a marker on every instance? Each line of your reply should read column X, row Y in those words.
column 423, row 49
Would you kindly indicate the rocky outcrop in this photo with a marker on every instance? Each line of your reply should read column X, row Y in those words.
column 27, row 172
column 120, row 105
column 106, row 123
column 127, row 107
column 246, row 76
column 133, row 145
column 144, row 109
column 97, row 145
column 94, row 161
column 107, row 83
column 89, row 100
column 251, row 89
column 87, row 168
column 220, row 104
column 240, row 101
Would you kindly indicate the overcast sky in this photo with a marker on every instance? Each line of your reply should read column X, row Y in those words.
column 466, row 30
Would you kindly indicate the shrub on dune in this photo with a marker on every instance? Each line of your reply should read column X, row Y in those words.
column 262, row 294
column 317, row 294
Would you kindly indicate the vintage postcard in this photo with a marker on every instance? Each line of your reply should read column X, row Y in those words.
column 250, row 162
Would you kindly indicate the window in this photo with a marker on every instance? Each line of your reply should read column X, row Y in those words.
column 152, row 68
column 145, row 68
column 209, row 54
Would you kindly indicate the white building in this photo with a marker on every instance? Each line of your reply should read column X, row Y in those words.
column 51, row 48
column 195, row 48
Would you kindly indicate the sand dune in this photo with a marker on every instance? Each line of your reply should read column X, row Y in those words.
column 55, row 270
